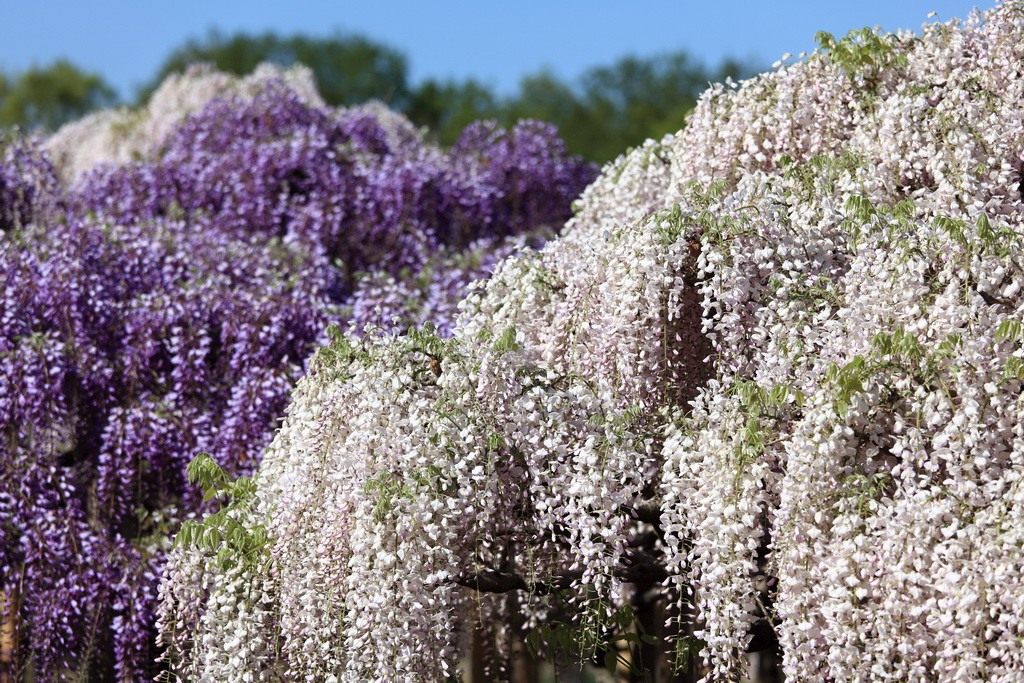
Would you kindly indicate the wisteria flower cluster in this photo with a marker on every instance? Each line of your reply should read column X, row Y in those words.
column 164, row 307
column 765, row 392
column 123, row 135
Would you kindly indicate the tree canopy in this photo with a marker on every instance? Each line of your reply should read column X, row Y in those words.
column 49, row 96
column 601, row 114
column 349, row 69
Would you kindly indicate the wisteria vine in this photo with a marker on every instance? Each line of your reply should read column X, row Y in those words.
column 154, row 309
column 763, row 393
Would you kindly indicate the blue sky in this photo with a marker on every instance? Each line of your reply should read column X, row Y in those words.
column 496, row 41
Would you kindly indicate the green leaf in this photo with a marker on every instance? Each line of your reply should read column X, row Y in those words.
column 506, row 342
column 1010, row 330
column 860, row 207
column 1015, row 368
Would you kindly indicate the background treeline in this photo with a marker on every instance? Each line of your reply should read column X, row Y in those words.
column 601, row 113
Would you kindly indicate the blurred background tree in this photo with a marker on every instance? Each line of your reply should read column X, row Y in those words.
column 349, row 69
column 601, row 114
column 50, row 96
column 446, row 107
column 604, row 112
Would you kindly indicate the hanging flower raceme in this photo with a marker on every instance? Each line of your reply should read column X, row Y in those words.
column 167, row 306
column 764, row 393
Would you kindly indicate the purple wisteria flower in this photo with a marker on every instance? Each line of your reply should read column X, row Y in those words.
column 162, row 308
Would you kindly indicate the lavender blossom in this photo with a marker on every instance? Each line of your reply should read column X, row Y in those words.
column 161, row 308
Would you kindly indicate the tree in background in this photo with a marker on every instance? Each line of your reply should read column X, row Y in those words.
column 447, row 107
column 605, row 111
column 47, row 97
column 636, row 98
column 349, row 69
column 601, row 114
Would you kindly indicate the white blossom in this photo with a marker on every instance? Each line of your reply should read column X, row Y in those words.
column 842, row 236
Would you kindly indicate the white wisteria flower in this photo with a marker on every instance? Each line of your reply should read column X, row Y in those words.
column 769, row 378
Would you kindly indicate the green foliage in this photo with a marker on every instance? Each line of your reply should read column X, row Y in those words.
column 1014, row 368
column 349, row 69
column 955, row 228
column 612, row 636
column 620, row 423
column 865, row 489
column 496, row 442
column 337, row 356
column 758, row 401
column 862, row 52
column 899, row 345
column 822, row 290
column 50, row 96
column 819, row 175
column 1011, row 330
column 447, row 107
column 671, row 225
column 757, row 404
column 506, row 342
column 685, row 651
column 1000, row 240
column 947, row 347
column 429, row 350
column 715, row 226
column 388, row 487
column 860, row 208
column 985, row 239
column 606, row 111
column 898, row 350
column 749, row 446
column 848, row 381
column 427, row 340
column 612, row 108
column 221, row 533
